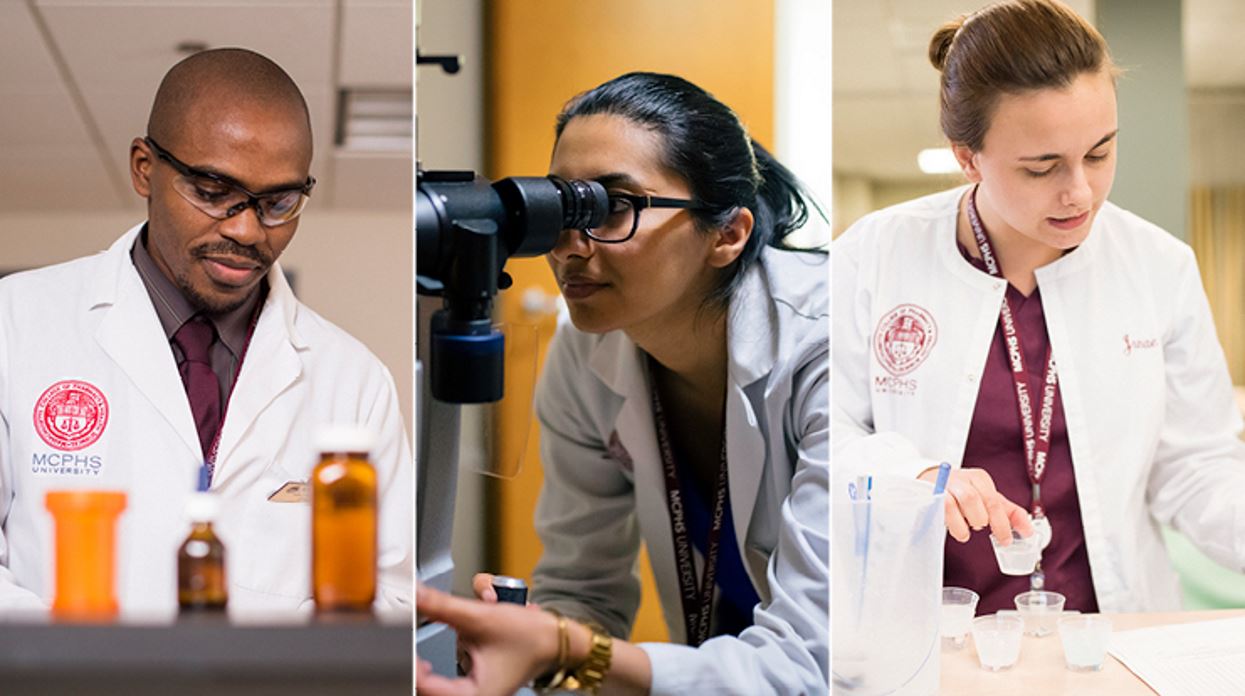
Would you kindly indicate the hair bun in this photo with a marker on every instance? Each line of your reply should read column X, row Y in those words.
column 940, row 44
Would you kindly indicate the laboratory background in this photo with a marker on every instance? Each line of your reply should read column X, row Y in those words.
column 77, row 80
column 520, row 62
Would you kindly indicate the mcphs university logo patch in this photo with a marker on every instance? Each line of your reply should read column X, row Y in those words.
column 904, row 338
column 71, row 415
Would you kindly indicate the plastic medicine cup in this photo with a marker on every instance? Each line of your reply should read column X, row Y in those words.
column 1019, row 557
column 86, row 526
column 1040, row 610
column 1085, row 638
column 997, row 638
column 958, row 608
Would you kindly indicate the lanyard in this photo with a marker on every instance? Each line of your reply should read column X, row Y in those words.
column 250, row 332
column 697, row 602
column 1037, row 440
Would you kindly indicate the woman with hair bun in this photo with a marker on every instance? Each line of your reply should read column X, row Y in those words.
column 1057, row 350
column 687, row 407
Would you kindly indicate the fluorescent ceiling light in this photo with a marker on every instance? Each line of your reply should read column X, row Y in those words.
column 375, row 120
column 938, row 160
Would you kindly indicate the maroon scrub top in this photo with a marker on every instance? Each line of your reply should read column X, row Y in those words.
column 995, row 443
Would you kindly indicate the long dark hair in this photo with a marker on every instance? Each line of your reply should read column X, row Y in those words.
column 705, row 143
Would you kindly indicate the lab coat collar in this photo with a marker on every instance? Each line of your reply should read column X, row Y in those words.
column 619, row 364
column 947, row 208
column 751, row 327
column 131, row 334
column 271, row 365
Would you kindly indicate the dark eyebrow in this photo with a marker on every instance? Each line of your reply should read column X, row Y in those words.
column 1051, row 156
column 618, row 180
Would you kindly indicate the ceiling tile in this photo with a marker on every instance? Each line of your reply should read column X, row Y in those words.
column 370, row 31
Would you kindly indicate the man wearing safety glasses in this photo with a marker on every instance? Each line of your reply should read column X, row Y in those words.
column 180, row 359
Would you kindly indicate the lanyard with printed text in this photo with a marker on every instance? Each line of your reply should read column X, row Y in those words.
column 697, row 602
column 1037, row 439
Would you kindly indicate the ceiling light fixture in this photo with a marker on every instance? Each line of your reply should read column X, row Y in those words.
column 937, row 160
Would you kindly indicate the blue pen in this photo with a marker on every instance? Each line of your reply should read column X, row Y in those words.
column 940, row 485
column 944, row 471
column 862, row 493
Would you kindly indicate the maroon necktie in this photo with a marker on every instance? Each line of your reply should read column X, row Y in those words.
column 195, row 338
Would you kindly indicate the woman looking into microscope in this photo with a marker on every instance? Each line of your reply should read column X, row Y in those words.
column 687, row 407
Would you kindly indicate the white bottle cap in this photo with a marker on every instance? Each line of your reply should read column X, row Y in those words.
column 202, row 507
column 345, row 438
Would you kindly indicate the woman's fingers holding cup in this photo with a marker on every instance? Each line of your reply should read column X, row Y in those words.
column 1000, row 517
column 1020, row 519
column 973, row 503
column 957, row 527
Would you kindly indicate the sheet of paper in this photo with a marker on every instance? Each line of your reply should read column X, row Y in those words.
column 1191, row 659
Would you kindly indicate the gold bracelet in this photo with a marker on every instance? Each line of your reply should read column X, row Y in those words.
column 587, row 677
column 557, row 678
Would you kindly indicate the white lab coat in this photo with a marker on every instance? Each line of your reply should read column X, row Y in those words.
column 1151, row 418
column 600, row 499
column 92, row 320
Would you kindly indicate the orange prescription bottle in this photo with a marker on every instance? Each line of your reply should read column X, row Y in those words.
column 343, row 521
column 86, row 526
column 201, row 581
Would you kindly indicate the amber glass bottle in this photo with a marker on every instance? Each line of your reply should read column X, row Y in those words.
column 201, row 582
column 343, row 522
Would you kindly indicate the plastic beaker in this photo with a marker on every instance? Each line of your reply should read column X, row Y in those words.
column 997, row 638
column 1019, row 557
column 1040, row 610
column 86, row 525
column 958, row 608
column 1085, row 640
column 887, row 580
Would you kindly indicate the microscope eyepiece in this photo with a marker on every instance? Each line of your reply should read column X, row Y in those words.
column 584, row 203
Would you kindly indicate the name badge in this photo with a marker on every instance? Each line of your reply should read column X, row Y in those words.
column 291, row 492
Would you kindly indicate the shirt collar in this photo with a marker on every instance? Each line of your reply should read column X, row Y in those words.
column 174, row 309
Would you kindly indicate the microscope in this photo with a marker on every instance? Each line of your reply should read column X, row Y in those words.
column 466, row 230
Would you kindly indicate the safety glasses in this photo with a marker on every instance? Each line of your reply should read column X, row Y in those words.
column 220, row 197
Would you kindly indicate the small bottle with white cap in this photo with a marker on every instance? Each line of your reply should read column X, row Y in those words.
column 201, row 582
column 343, row 521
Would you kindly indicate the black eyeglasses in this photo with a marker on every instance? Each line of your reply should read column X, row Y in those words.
column 624, row 215
column 221, row 197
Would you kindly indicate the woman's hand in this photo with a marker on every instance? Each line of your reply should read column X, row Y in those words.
column 972, row 502
column 482, row 585
column 508, row 645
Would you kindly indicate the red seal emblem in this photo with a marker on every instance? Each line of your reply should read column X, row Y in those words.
column 904, row 338
column 71, row 415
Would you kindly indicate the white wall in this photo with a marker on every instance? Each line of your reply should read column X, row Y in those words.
column 1217, row 137
column 802, row 104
